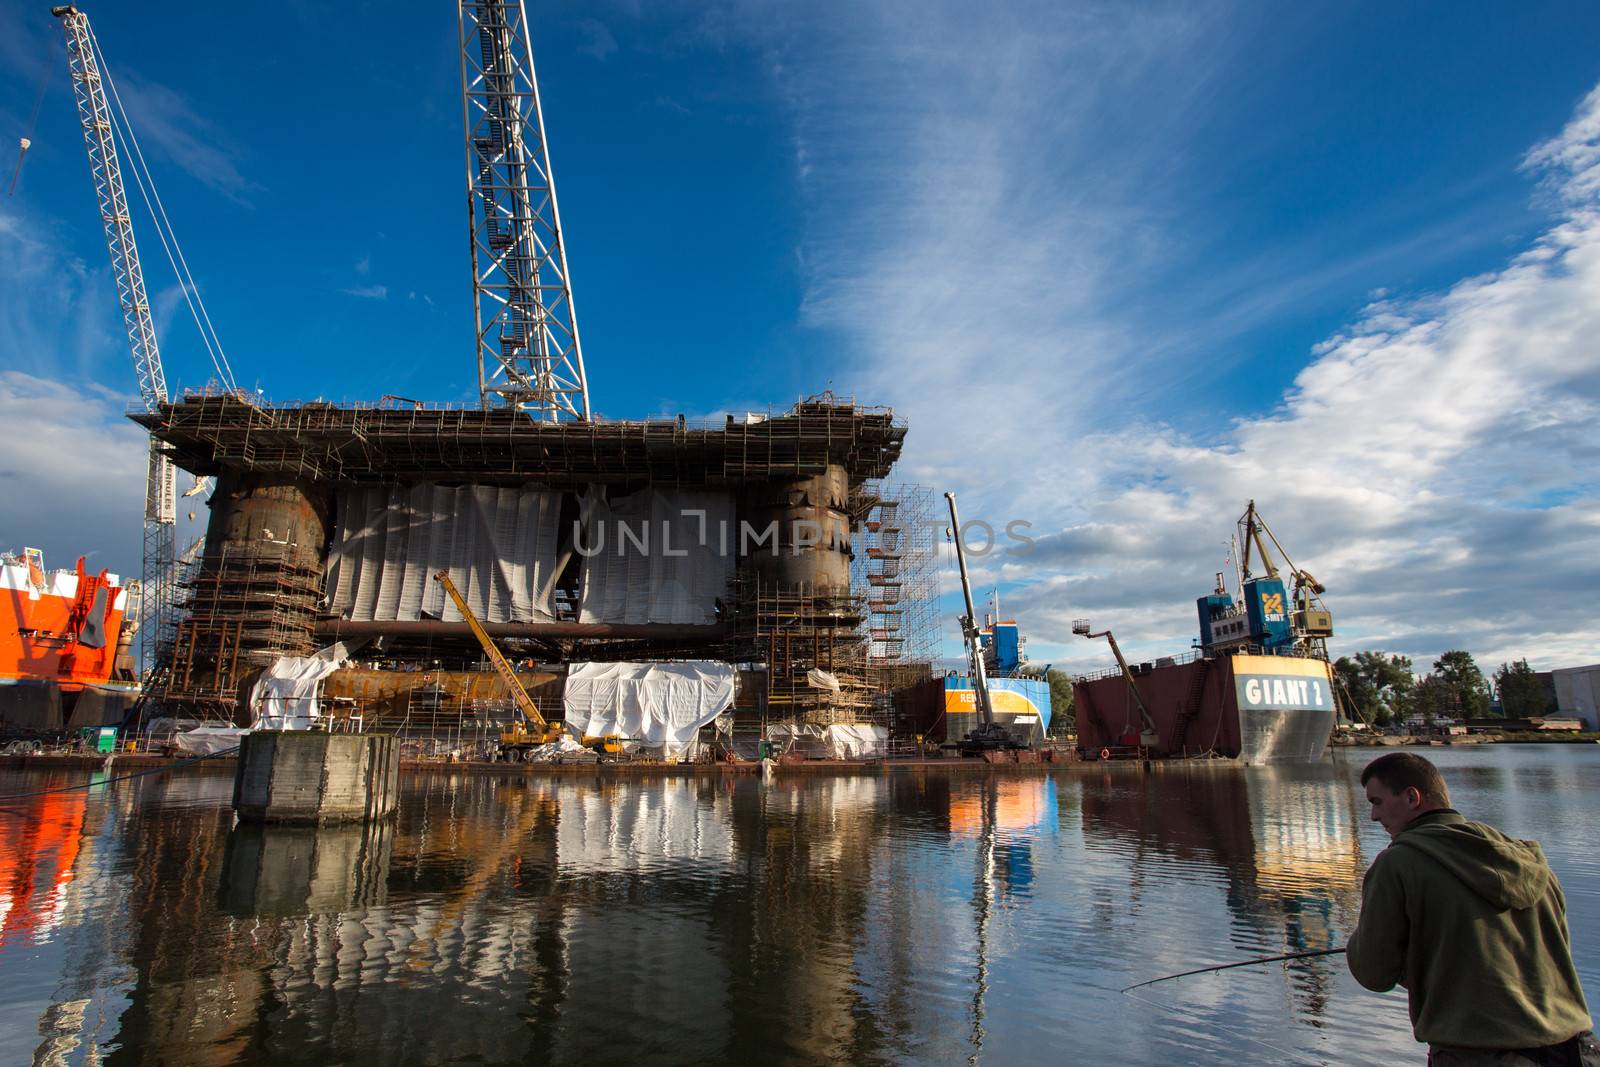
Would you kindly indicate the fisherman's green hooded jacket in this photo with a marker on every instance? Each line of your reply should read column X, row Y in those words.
column 1474, row 925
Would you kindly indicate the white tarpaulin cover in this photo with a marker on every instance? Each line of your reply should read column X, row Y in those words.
column 208, row 740
column 660, row 705
column 657, row 555
column 820, row 679
column 832, row 742
column 285, row 696
column 500, row 545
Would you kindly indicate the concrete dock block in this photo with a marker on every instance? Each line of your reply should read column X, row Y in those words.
column 314, row 778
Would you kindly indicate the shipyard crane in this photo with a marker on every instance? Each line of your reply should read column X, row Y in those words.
column 90, row 82
column 160, row 485
column 529, row 356
column 1311, row 622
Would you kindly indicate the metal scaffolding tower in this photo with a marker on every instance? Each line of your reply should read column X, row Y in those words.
column 898, row 567
column 528, row 351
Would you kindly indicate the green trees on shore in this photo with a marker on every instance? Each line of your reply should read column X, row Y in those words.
column 1382, row 688
column 1378, row 686
column 1063, row 718
column 1522, row 692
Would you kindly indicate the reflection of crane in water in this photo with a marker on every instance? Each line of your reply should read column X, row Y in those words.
column 488, row 863
column 983, row 911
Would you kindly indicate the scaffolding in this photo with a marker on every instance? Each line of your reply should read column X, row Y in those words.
column 437, row 712
column 815, row 652
column 897, row 570
column 243, row 607
column 207, row 432
column 829, row 655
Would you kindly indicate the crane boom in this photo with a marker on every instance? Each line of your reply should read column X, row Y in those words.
column 95, row 115
column 161, row 477
column 525, row 704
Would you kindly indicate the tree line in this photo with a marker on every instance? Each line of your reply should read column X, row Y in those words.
column 1384, row 689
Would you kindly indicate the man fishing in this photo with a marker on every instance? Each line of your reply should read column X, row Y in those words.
column 1473, row 924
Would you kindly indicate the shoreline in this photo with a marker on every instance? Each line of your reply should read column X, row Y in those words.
column 1418, row 740
column 134, row 762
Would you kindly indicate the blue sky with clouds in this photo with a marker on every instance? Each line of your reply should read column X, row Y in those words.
column 1121, row 266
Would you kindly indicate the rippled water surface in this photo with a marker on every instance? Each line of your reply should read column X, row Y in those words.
column 909, row 916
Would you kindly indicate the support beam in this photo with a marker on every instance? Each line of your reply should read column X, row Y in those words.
column 338, row 629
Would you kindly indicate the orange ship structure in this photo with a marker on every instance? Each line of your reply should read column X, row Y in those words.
column 64, row 643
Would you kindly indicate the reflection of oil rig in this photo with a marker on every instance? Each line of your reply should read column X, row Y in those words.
column 1258, row 688
column 1285, row 843
column 574, row 539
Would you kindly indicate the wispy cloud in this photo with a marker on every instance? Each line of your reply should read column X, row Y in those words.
column 164, row 119
column 368, row 292
column 598, row 40
column 1433, row 463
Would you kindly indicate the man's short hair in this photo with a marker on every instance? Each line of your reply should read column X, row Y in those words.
column 1399, row 771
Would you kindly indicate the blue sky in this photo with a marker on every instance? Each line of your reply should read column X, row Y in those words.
column 1120, row 266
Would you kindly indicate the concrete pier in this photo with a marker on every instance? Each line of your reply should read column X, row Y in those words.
column 315, row 778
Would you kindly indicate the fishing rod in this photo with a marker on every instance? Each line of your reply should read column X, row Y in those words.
column 1241, row 963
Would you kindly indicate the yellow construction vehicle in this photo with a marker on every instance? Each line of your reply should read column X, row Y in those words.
column 530, row 729
column 608, row 746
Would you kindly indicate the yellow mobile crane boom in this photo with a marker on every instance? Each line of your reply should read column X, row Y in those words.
column 537, row 730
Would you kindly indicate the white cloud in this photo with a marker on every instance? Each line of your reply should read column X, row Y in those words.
column 986, row 196
column 1434, row 464
column 71, row 473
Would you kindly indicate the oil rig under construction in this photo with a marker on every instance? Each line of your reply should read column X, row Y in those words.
column 576, row 544
column 436, row 572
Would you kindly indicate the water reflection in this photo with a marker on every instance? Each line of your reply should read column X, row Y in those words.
column 1281, row 841
column 917, row 916
column 292, row 870
column 38, row 849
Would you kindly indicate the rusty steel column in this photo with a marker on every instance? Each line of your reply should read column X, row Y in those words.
column 796, row 532
column 254, row 595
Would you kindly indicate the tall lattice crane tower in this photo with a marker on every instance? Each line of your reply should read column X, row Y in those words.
column 528, row 351
column 160, row 499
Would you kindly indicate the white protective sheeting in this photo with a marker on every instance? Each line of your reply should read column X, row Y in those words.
column 285, row 696
column 500, row 545
column 658, row 705
column 859, row 741
column 208, row 740
column 820, row 679
column 657, row 555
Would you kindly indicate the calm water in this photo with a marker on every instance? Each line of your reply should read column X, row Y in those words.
column 908, row 917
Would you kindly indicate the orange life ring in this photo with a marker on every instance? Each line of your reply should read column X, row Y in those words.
column 1105, row 753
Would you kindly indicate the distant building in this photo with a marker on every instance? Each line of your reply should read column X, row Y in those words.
column 1532, row 724
column 1578, row 693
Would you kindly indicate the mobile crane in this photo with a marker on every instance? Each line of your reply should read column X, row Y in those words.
column 989, row 736
column 530, row 729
